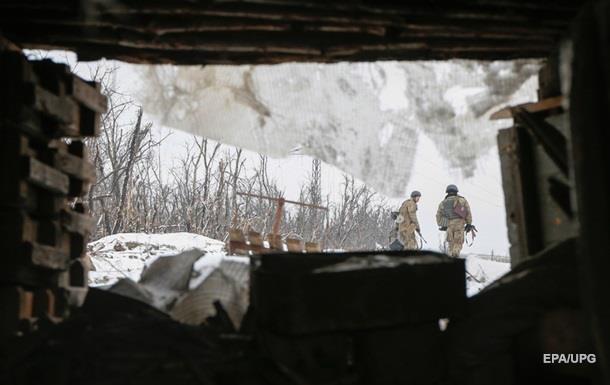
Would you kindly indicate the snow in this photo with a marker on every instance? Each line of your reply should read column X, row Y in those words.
column 214, row 276
column 483, row 269
column 126, row 255
column 179, row 273
column 206, row 266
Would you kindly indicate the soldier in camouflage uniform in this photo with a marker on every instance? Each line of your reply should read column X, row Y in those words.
column 408, row 223
column 454, row 216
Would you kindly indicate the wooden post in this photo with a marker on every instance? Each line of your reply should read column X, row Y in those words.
column 279, row 212
column 589, row 124
column 274, row 238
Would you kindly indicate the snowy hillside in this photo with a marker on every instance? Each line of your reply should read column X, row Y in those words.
column 126, row 255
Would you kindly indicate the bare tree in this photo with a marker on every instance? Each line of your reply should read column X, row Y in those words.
column 135, row 193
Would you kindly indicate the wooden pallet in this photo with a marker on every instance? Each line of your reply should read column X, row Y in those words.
column 252, row 243
column 23, row 307
column 46, row 113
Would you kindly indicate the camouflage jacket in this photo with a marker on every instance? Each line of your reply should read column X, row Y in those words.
column 446, row 209
column 408, row 210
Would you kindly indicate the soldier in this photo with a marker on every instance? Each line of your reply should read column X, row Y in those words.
column 407, row 221
column 454, row 217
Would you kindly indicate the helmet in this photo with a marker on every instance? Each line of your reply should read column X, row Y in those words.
column 415, row 193
column 451, row 188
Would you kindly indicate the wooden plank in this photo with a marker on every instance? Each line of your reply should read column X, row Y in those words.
column 237, row 235
column 313, row 247
column 44, row 303
column 17, row 306
column 72, row 159
column 7, row 45
column 549, row 137
column 75, row 166
column 294, row 245
column 16, row 227
column 25, row 120
column 255, row 239
column 61, row 109
column 45, row 176
column 74, row 282
column 75, row 222
column 275, row 242
column 513, row 200
column 88, row 94
column 45, row 256
column 543, row 105
column 26, row 300
column 237, row 247
column 137, row 33
column 87, row 97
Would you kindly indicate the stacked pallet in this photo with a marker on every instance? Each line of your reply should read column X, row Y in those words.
column 252, row 243
column 46, row 112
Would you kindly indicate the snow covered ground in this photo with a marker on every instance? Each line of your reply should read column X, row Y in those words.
column 126, row 256
column 483, row 270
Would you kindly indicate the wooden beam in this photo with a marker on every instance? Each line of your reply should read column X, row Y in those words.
column 45, row 176
column 550, row 138
column 270, row 31
column 543, row 105
column 7, row 45
column 45, row 256
column 259, row 196
column 344, row 11
column 75, row 166
column 158, row 25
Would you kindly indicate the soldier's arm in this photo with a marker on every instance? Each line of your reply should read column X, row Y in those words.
column 403, row 211
column 412, row 210
column 469, row 213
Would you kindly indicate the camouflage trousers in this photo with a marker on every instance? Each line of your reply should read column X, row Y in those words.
column 455, row 236
column 407, row 237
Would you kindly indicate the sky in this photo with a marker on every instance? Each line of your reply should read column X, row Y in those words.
column 430, row 173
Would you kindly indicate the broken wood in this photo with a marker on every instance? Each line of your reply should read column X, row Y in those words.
column 543, row 105
column 552, row 141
